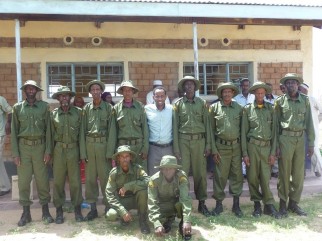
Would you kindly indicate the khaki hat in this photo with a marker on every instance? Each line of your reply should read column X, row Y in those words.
column 121, row 149
column 63, row 90
column 292, row 76
column 182, row 81
column 95, row 82
column 258, row 85
column 227, row 85
column 32, row 83
column 169, row 162
column 127, row 83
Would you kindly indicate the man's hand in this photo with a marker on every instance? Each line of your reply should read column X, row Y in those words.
column 278, row 153
column 17, row 161
column 159, row 231
column 122, row 192
column 271, row 160
column 47, row 158
column 178, row 156
column 127, row 217
column 216, row 158
column 186, row 228
column 206, row 153
column 310, row 151
column 143, row 156
column 83, row 161
column 246, row 160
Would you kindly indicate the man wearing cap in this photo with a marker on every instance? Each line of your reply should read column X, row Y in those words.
column 168, row 197
column 244, row 97
column 294, row 117
column 192, row 137
column 97, row 144
column 65, row 126
column 31, row 149
column 126, row 189
column 159, row 117
column 131, row 123
column 149, row 96
column 258, row 140
column 225, row 121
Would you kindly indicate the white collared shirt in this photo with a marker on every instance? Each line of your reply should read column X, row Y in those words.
column 242, row 100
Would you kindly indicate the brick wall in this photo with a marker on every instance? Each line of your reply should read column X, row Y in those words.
column 273, row 72
column 143, row 73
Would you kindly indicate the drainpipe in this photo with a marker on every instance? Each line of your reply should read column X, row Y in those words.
column 18, row 60
column 195, row 52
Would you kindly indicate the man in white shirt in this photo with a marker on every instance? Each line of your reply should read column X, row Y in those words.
column 149, row 96
column 159, row 117
column 244, row 97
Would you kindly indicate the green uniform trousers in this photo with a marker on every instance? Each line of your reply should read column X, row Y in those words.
column 259, row 173
column 291, row 168
column 66, row 164
column 32, row 163
column 96, row 166
column 230, row 166
column 192, row 154
column 138, row 201
column 169, row 210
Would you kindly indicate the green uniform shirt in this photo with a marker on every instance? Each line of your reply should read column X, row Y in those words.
column 260, row 124
column 225, row 122
column 161, row 191
column 190, row 118
column 134, row 180
column 31, row 122
column 98, row 122
column 295, row 115
column 132, row 123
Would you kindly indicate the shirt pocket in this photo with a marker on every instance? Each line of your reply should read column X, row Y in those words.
column 121, row 121
column 40, row 123
column 23, row 121
column 220, row 120
column 253, row 122
column 301, row 113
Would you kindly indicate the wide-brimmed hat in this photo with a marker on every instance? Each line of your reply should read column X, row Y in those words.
column 127, row 83
column 169, row 162
column 121, row 149
column 293, row 76
column 63, row 90
column 157, row 82
column 258, row 85
column 95, row 82
column 182, row 81
column 32, row 83
column 226, row 85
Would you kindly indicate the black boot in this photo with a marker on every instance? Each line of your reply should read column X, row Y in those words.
column 184, row 236
column 257, row 209
column 283, row 211
column 202, row 208
column 292, row 206
column 78, row 214
column 270, row 210
column 46, row 215
column 144, row 226
column 25, row 217
column 59, row 215
column 92, row 214
column 218, row 209
column 236, row 209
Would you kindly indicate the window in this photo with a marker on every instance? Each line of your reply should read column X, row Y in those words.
column 211, row 74
column 77, row 75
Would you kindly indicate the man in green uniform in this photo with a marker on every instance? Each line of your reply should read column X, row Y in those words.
column 258, row 140
column 97, row 144
column 65, row 126
column 225, row 119
column 131, row 122
column 31, row 149
column 294, row 117
column 168, row 196
column 192, row 137
column 127, row 189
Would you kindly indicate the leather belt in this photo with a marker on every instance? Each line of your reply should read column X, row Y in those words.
column 291, row 133
column 259, row 143
column 160, row 145
column 191, row 137
column 31, row 142
column 129, row 142
column 227, row 143
column 66, row 145
column 96, row 139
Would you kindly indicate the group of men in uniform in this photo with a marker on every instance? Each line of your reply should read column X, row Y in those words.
column 257, row 133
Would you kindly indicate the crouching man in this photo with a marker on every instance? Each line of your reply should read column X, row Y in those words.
column 126, row 189
column 168, row 196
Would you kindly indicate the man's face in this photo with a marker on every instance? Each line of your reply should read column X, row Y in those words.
column 127, row 93
column 95, row 91
column 168, row 173
column 189, row 87
column 227, row 95
column 291, row 86
column 245, row 87
column 79, row 102
column 30, row 91
column 159, row 97
column 64, row 100
column 260, row 94
column 283, row 89
column 124, row 159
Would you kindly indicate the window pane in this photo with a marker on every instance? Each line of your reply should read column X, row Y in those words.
column 58, row 75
